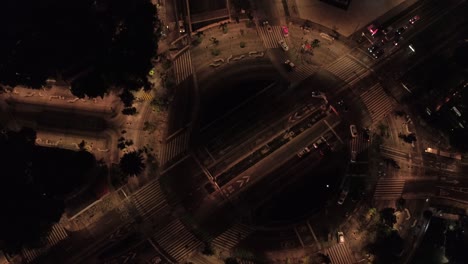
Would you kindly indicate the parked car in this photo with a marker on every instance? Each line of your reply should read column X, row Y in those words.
column 401, row 30
column 285, row 31
column 353, row 156
column 366, row 134
column 396, row 41
column 303, row 152
column 373, row 48
column 341, row 237
column 353, row 129
column 414, row 19
column 378, row 53
column 181, row 26
column 289, row 65
column 283, row 44
column 343, row 195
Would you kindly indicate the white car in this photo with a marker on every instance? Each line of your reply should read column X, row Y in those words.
column 283, row 44
column 303, row 152
column 289, row 64
column 353, row 130
column 343, row 195
column 341, row 237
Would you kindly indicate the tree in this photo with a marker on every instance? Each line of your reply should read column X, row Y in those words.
column 208, row 249
column 129, row 111
column 388, row 216
column 127, row 98
column 132, row 164
column 316, row 43
column 215, row 52
column 231, row 261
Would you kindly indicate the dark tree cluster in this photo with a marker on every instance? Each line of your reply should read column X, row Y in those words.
column 95, row 44
column 34, row 183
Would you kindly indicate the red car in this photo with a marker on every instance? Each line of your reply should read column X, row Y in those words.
column 414, row 19
column 285, row 31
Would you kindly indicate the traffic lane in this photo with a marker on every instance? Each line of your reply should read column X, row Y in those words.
column 269, row 164
column 181, row 107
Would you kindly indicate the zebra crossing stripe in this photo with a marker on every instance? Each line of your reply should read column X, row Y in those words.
column 231, row 237
column 183, row 67
column 175, row 147
column 57, row 234
column 388, row 189
column 378, row 103
column 149, row 199
column 177, row 240
column 340, row 254
column 270, row 39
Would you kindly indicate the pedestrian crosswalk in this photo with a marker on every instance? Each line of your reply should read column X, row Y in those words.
column 271, row 38
column 378, row 103
column 233, row 236
column 175, row 146
column 183, row 67
column 340, row 254
column 348, row 69
column 150, row 199
column 56, row 235
column 389, row 189
column 393, row 153
column 302, row 72
column 199, row 258
column 359, row 144
column 176, row 240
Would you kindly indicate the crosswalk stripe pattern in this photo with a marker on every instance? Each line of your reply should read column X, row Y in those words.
column 347, row 69
column 175, row 147
column 302, row 72
column 377, row 102
column 199, row 258
column 389, row 189
column 359, row 144
column 183, row 67
column 177, row 240
column 340, row 254
column 233, row 236
column 392, row 152
column 150, row 199
column 270, row 39
column 56, row 235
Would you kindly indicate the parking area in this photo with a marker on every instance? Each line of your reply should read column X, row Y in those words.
column 346, row 22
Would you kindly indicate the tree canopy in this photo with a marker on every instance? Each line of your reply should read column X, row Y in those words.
column 34, row 182
column 95, row 44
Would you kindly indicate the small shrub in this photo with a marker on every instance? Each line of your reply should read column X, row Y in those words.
column 215, row 52
column 242, row 44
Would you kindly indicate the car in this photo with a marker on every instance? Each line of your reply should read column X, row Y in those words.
column 397, row 39
column 400, row 30
column 316, row 93
column 267, row 25
column 353, row 156
column 343, row 195
column 378, row 53
column 343, row 105
column 353, row 130
column 283, row 44
column 322, row 146
column 373, row 48
column 366, row 134
column 303, row 152
column 285, row 30
column 181, row 26
column 289, row 65
column 373, row 29
column 341, row 239
column 414, row 19
column 387, row 31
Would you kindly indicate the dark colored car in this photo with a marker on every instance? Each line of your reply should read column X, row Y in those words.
column 401, row 30
column 373, row 48
column 366, row 134
column 378, row 53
